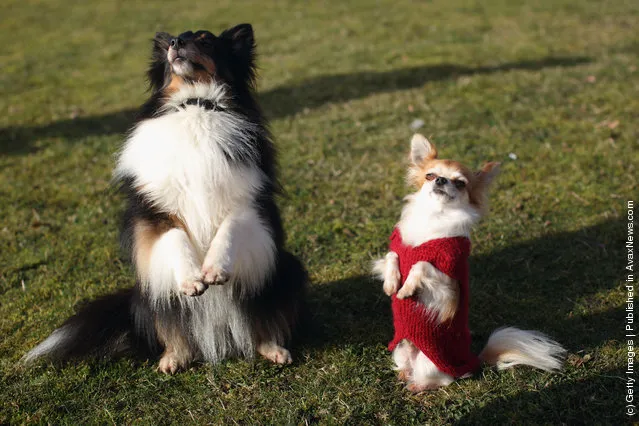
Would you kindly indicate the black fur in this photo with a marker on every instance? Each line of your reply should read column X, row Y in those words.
column 113, row 323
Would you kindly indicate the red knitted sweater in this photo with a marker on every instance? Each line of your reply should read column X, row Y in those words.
column 447, row 345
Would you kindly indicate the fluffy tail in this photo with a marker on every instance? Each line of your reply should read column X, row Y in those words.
column 103, row 327
column 511, row 346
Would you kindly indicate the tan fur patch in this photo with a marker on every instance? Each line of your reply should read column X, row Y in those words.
column 450, row 309
column 478, row 190
column 178, row 352
column 476, row 195
column 174, row 85
column 403, row 375
column 198, row 76
column 145, row 234
column 477, row 183
column 417, row 172
column 208, row 64
column 495, row 355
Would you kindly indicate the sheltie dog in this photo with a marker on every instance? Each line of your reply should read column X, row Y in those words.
column 202, row 228
column 426, row 275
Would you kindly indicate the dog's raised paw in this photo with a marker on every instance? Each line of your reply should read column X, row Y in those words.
column 411, row 285
column 407, row 290
column 193, row 287
column 214, row 275
column 391, row 284
column 392, row 275
column 404, row 293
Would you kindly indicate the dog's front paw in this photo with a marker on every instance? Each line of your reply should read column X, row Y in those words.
column 392, row 276
column 412, row 283
column 193, row 287
column 391, row 285
column 214, row 275
column 404, row 293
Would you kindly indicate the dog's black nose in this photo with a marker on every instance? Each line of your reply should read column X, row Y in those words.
column 441, row 181
column 177, row 42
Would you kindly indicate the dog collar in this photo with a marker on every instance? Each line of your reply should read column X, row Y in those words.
column 207, row 104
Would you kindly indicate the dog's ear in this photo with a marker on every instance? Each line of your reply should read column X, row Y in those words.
column 487, row 174
column 158, row 69
column 421, row 149
column 481, row 183
column 241, row 37
column 242, row 45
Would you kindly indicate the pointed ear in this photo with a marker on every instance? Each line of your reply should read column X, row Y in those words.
column 421, row 149
column 242, row 47
column 488, row 173
column 241, row 39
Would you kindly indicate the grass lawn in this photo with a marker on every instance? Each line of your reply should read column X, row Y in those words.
column 554, row 82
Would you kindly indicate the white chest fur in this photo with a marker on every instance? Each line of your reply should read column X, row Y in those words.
column 184, row 162
column 424, row 218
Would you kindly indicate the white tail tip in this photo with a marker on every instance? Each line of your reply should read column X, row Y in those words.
column 49, row 345
column 511, row 346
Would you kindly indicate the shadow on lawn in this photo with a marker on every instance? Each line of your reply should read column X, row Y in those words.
column 578, row 402
column 278, row 102
column 548, row 284
column 288, row 100
column 542, row 284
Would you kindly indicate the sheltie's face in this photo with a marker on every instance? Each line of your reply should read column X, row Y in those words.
column 203, row 57
column 447, row 182
column 191, row 54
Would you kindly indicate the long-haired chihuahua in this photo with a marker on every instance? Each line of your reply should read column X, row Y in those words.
column 427, row 276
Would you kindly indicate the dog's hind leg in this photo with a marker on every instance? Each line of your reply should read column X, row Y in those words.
column 276, row 311
column 167, row 264
column 178, row 352
column 404, row 356
column 426, row 375
column 274, row 352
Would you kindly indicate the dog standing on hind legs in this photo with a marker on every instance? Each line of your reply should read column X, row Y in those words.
column 426, row 274
column 201, row 226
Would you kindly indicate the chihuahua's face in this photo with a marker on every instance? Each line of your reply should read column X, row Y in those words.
column 202, row 56
column 446, row 182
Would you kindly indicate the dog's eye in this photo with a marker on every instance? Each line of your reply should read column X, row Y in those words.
column 431, row 176
column 459, row 184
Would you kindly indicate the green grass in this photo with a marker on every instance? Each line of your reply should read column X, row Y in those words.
column 342, row 82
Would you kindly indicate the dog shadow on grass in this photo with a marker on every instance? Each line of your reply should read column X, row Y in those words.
column 277, row 103
column 556, row 284
column 549, row 284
